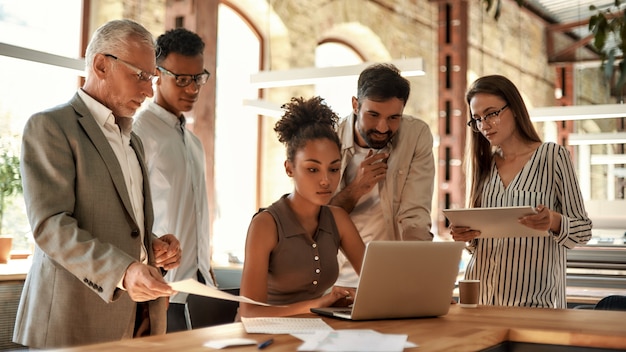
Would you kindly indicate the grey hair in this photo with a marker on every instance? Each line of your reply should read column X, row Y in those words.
column 112, row 38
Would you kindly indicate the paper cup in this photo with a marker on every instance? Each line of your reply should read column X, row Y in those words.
column 469, row 291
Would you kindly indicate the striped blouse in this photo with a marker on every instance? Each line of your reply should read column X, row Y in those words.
column 531, row 271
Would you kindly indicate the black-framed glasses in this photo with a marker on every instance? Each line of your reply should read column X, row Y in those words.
column 476, row 122
column 185, row 80
column 141, row 74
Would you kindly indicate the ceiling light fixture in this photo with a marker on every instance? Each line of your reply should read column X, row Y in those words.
column 263, row 107
column 18, row 52
column 304, row 76
column 577, row 112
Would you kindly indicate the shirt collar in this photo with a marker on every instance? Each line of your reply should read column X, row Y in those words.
column 290, row 222
column 166, row 116
column 347, row 134
column 100, row 113
column 104, row 115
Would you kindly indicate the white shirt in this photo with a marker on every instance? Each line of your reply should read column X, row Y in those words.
column 176, row 167
column 405, row 195
column 120, row 142
column 367, row 216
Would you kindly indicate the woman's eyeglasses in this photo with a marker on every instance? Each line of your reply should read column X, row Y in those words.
column 476, row 122
column 185, row 80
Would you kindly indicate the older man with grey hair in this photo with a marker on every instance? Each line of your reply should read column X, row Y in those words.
column 97, row 268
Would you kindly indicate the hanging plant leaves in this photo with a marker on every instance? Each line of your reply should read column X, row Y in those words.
column 609, row 34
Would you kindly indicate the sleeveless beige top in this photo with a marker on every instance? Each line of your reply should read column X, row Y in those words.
column 300, row 268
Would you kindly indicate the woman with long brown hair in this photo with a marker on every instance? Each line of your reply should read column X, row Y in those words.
column 510, row 166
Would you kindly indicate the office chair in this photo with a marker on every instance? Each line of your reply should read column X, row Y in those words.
column 612, row 302
column 201, row 311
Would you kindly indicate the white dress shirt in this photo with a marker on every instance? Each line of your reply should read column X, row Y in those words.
column 118, row 137
column 175, row 160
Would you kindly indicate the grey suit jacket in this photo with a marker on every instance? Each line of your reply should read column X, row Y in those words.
column 82, row 221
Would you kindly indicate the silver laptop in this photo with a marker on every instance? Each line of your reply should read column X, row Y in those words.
column 403, row 279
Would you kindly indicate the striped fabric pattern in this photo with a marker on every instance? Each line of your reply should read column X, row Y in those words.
column 531, row 271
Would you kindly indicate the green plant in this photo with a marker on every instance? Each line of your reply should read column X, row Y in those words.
column 609, row 31
column 10, row 177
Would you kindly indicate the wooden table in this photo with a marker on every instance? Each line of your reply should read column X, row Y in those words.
column 462, row 329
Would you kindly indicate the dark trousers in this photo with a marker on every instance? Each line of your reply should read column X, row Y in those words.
column 142, row 320
column 176, row 320
column 176, row 317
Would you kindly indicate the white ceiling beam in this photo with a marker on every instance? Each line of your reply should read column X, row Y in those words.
column 312, row 75
column 18, row 52
column 577, row 112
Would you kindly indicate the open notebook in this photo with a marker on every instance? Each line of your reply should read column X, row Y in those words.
column 403, row 279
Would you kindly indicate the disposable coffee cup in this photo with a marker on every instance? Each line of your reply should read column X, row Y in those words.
column 469, row 291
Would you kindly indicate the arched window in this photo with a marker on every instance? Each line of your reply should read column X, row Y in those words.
column 337, row 92
column 32, row 79
column 236, row 135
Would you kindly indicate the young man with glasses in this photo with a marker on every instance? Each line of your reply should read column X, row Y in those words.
column 175, row 160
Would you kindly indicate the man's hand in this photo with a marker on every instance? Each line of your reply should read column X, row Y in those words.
column 167, row 251
column 144, row 283
column 372, row 170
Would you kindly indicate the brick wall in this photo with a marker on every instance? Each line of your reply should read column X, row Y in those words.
column 514, row 46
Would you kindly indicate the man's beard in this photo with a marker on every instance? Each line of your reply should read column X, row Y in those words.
column 374, row 143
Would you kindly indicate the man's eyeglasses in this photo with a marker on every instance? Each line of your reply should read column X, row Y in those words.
column 476, row 122
column 185, row 80
column 141, row 75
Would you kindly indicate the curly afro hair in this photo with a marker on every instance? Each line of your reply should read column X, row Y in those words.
column 306, row 120
column 179, row 40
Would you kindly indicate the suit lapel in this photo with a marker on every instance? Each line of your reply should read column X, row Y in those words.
column 135, row 143
column 94, row 133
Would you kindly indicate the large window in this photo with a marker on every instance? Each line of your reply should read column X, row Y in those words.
column 339, row 91
column 236, row 141
column 28, row 87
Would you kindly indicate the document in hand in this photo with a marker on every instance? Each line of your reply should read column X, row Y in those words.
column 193, row 286
column 495, row 222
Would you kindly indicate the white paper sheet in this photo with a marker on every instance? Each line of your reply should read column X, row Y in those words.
column 223, row 343
column 280, row 325
column 362, row 340
column 196, row 288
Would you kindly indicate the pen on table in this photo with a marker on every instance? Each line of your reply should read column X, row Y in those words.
column 264, row 344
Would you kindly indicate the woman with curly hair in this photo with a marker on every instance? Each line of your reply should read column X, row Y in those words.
column 291, row 246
